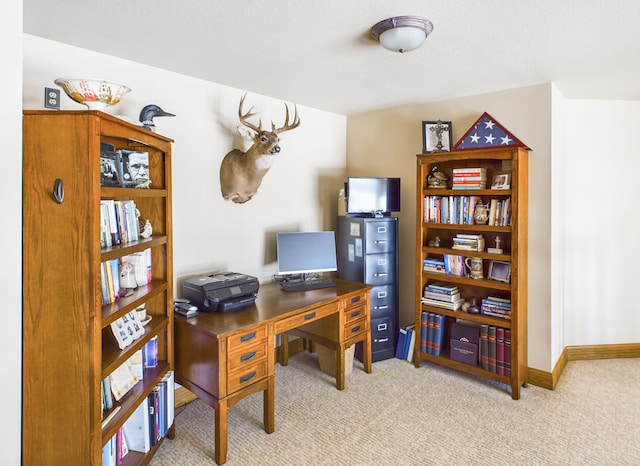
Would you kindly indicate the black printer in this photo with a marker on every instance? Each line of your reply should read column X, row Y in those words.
column 221, row 292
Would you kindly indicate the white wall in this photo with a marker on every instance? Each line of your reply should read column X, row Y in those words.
column 299, row 192
column 601, row 248
column 386, row 142
column 11, row 231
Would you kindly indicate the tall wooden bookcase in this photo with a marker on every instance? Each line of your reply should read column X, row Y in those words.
column 510, row 160
column 68, row 345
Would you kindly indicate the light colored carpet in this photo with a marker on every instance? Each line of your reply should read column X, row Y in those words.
column 400, row 415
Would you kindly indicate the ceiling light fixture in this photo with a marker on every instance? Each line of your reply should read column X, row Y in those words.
column 402, row 33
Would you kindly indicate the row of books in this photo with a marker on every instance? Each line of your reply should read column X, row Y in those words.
column 500, row 212
column 118, row 222
column 148, row 424
column 442, row 295
column 450, row 209
column 433, row 265
column 496, row 306
column 469, row 178
column 110, row 274
column 495, row 349
column 406, row 343
column 433, row 329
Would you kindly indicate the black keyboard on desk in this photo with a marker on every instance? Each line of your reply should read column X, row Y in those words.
column 306, row 285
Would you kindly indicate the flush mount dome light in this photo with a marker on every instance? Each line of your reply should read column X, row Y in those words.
column 402, row 33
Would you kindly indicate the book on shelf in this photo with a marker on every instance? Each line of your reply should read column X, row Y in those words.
column 500, row 350
column 507, row 352
column 443, row 287
column 424, row 331
column 439, row 333
column 484, row 346
column 430, row 328
column 447, row 298
column 492, row 348
column 454, row 265
column 135, row 168
column 411, row 336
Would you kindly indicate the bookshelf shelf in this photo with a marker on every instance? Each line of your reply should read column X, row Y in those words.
column 434, row 240
column 68, row 345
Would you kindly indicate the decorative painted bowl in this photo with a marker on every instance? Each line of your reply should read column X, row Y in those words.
column 96, row 94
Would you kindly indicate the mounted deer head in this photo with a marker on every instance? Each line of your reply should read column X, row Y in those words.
column 241, row 172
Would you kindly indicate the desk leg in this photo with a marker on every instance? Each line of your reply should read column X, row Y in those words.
column 269, row 406
column 340, row 367
column 366, row 351
column 221, row 423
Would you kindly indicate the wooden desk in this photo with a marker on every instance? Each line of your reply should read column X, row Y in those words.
column 224, row 357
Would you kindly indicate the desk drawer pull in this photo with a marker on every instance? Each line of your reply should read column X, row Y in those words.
column 249, row 376
column 384, row 306
column 247, row 337
column 355, row 300
column 310, row 316
column 355, row 313
column 355, row 329
column 248, row 356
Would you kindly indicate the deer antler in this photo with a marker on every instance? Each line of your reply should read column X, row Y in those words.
column 287, row 126
column 249, row 114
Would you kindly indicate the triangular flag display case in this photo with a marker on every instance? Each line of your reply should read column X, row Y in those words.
column 487, row 132
column 477, row 262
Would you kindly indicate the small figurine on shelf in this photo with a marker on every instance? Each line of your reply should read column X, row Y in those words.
column 481, row 214
column 437, row 179
column 434, row 243
column 146, row 230
column 473, row 307
column 497, row 249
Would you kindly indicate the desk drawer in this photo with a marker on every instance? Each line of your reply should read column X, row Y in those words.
column 246, row 354
column 356, row 327
column 354, row 313
column 246, row 376
column 306, row 318
column 246, row 339
column 354, row 300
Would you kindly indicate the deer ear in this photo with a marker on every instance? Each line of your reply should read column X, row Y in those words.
column 246, row 132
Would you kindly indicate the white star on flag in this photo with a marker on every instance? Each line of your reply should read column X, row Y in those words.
column 489, row 139
column 505, row 140
column 475, row 137
column 489, row 124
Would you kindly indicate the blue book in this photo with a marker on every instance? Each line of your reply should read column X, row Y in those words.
column 438, row 333
column 402, row 343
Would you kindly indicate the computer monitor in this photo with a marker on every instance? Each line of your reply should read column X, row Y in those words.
column 306, row 252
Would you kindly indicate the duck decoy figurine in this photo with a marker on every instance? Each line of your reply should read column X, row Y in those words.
column 148, row 113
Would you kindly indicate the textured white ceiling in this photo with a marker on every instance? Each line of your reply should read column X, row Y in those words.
column 321, row 54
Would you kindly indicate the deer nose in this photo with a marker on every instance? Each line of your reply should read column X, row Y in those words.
column 276, row 149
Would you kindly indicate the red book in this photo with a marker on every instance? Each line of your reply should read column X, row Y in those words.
column 500, row 350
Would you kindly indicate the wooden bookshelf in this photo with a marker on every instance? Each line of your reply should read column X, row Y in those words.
column 68, row 346
column 513, row 243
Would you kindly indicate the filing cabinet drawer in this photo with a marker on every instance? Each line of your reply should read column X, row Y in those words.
column 380, row 269
column 306, row 318
column 245, row 376
column 384, row 301
column 380, row 237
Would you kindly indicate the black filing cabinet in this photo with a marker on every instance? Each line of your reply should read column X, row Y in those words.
column 367, row 249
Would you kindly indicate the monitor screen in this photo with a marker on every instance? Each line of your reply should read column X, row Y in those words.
column 366, row 195
column 306, row 252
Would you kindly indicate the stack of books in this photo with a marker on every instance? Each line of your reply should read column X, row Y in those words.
column 468, row 242
column 453, row 265
column 433, row 265
column 496, row 306
column 442, row 295
column 469, row 178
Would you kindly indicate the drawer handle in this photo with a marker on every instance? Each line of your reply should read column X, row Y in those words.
column 382, row 241
column 355, row 329
column 355, row 300
column 384, row 306
column 246, row 357
column 382, row 340
column 249, row 376
column 380, row 274
column 247, row 337
column 58, row 190
column 355, row 313
column 310, row 316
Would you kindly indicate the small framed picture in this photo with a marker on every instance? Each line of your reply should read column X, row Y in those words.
column 500, row 271
column 501, row 181
column 436, row 136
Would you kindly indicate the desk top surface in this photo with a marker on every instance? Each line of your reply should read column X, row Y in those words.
column 272, row 304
